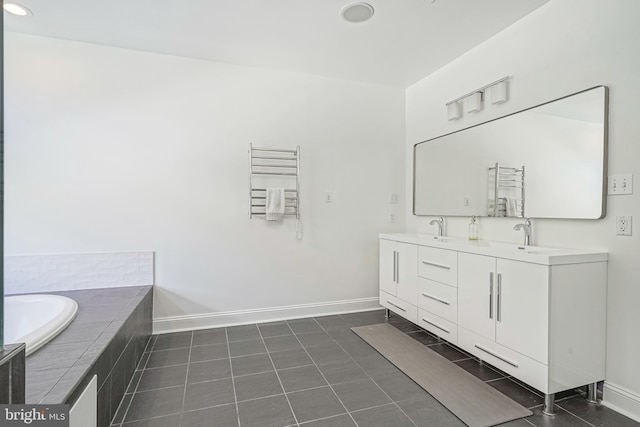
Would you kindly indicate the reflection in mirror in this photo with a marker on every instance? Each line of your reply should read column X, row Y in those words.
column 548, row 161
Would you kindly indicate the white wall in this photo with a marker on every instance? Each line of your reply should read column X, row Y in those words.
column 117, row 150
column 561, row 48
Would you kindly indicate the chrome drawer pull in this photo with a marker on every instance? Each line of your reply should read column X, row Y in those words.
column 436, row 299
column 396, row 306
column 515, row 365
column 436, row 326
column 435, row 264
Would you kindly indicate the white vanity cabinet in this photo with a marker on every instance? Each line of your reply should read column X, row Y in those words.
column 505, row 301
column 538, row 314
column 398, row 278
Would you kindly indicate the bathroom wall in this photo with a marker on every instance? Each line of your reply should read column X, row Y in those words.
column 112, row 150
column 561, row 48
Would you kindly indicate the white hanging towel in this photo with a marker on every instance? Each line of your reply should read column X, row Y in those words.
column 512, row 207
column 274, row 207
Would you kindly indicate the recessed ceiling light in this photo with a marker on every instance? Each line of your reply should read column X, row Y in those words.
column 16, row 9
column 357, row 12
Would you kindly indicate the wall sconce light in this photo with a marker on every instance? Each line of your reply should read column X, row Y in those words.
column 454, row 112
column 473, row 100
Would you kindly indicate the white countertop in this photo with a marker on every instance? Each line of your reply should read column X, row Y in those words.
column 533, row 254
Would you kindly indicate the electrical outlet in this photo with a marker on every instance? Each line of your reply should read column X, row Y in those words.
column 328, row 197
column 623, row 225
column 392, row 217
column 621, row 184
column 393, row 198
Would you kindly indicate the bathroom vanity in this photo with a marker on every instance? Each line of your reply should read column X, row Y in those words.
column 537, row 313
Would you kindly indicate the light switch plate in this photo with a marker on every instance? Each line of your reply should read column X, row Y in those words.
column 621, row 184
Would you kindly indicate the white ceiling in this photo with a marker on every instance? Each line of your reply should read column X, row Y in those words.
column 405, row 40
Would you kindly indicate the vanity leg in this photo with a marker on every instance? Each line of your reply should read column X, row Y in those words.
column 387, row 313
column 592, row 393
column 549, row 401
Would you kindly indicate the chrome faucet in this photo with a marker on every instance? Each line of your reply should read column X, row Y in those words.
column 526, row 226
column 440, row 222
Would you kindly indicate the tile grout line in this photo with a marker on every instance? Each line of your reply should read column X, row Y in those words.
column 318, row 368
column 152, row 341
column 186, row 380
column 374, row 381
column 560, row 408
column 277, row 375
column 233, row 382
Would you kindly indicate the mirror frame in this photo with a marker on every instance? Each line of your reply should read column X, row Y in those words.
column 604, row 157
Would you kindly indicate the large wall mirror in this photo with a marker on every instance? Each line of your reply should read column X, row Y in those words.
column 548, row 161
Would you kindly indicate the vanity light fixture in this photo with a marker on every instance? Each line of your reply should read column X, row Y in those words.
column 357, row 12
column 454, row 112
column 473, row 100
column 16, row 9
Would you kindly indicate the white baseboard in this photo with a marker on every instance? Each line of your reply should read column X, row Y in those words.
column 165, row 325
column 621, row 400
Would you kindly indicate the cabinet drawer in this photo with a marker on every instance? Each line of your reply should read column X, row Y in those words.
column 398, row 306
column 523, row 368
column 439, row 299
column 440, row 265
column 439, row 326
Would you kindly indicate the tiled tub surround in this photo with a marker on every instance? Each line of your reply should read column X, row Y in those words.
column 106, row 339
column 311, row 372
column 12, row 377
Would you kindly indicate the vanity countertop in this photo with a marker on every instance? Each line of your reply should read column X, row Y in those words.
column 533, row 254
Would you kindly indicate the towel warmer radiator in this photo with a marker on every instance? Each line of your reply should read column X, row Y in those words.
column 504, row 183
column 279, row 168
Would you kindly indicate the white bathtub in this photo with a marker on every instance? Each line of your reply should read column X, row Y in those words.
column 36, row 319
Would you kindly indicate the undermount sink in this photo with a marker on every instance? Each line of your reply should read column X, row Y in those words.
column 521, row 248
column 436, row 238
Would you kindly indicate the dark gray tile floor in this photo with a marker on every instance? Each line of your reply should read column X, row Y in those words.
column 311, row 373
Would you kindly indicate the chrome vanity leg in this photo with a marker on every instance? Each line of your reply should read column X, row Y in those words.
column 549, row 401
column 387, row 313
column 592, row 393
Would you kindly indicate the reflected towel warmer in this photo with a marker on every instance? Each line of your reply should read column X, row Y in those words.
column 505, row 182
column 274, row 163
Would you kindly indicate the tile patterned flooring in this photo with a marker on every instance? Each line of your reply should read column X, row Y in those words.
column 311, row 372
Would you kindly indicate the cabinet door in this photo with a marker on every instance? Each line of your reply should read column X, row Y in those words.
column 388, row 266
column 407, row 272
column 522, row 317
column 476, row 294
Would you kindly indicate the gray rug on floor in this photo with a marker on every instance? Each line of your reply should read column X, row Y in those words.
column 470, row 399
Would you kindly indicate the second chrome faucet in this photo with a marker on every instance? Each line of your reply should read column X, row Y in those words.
column 526, row 226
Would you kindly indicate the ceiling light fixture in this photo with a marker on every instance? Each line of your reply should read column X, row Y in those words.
column 357, row 12
column 16, row 9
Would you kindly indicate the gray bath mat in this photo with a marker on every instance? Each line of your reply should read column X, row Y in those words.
column 474, row 402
